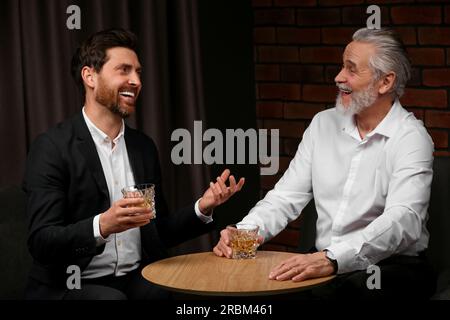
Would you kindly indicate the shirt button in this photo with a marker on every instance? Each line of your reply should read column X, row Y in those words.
column 116, row 183
column 119, row 243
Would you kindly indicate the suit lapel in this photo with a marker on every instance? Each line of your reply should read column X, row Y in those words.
column 87, row 148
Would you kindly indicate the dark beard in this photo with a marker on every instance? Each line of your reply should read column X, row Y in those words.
column 115, row 108
column 110, row 100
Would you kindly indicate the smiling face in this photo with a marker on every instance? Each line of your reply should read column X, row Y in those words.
column 118, row 83
column 357, row 88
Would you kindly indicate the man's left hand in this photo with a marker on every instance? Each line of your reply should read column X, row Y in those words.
column 303, row 266
column 219, row 193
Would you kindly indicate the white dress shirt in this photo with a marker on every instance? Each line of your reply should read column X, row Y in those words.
column 371, row 194
column 122, row 252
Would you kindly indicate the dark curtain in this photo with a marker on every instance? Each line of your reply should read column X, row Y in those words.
column 37, row 90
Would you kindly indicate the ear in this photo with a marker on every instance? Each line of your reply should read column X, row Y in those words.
column 387, row 83
column 88, row 75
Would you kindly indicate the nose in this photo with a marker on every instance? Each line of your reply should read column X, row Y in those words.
column 135, row 79
column 340, row 76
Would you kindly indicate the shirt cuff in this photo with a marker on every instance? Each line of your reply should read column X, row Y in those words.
column 97, row 235
column 200, row 215
column 344, row 254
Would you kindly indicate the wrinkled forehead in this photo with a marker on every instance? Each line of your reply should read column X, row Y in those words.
column 358, row 53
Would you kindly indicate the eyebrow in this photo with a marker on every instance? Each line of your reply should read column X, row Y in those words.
column 128, row 66
column 351, row 63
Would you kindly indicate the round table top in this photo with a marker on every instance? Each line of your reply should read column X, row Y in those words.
column 206, row 274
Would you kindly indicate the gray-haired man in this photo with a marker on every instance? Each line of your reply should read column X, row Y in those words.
column 368, row 165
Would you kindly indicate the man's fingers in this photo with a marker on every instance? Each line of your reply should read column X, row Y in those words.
column 222, row 186
column 130, row 202
column 260, row 239
column 225, row 249
column 240, row 184
column 232, row 187
column 214, row 190
column 225, row 237
column 217, row 251
column 132, row 211
column 225, row 174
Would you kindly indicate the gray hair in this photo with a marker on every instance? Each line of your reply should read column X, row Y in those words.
column 390, row 56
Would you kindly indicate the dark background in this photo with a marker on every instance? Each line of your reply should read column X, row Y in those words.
column 197, row 59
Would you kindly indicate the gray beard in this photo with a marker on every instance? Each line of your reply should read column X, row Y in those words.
column 359, row 101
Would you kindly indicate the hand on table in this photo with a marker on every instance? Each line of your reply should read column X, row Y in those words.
column 303, row 266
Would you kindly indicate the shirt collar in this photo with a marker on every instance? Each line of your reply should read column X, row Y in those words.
column 97, row 134
column 386, row 127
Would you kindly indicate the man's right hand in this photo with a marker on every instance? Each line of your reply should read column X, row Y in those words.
column 222, row 248
column 124, row 214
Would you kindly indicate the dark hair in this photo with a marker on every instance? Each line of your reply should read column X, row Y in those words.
column 92, row 52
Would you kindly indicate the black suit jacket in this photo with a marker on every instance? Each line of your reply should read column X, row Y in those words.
column 66, row 188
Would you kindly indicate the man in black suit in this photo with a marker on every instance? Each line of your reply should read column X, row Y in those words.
column 74, row 174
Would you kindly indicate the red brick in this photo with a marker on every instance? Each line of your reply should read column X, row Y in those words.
column 425, row 98
column 279, row 91
column 318, row 17
column 339, row 2
column 418, row 113
column 264, row 35
column 436, row 77
column 261, row 3
column 427, row 1
column 437, row 119
column 274, row 16
column 321, row 55
column 389, row 1
column 407, row 34
column 298, row 36
column 301, row 73
column 447, row 14
column 287, row 237
column 278, row 54
column 441, row 154
column 337, row 35
column 331, row 72
column 267, row 72
column 448, row 57
column 439, row 36
column 426, row 56
column 358, row 16
column 302, row 110
column 288, row 129
column 269, row 109
column 416, row 15
column 319, row 93
column 440, row 138
column 290, row 146
column 295, row 3
column 416, row 77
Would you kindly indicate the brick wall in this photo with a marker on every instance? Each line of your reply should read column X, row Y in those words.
column 298, row 50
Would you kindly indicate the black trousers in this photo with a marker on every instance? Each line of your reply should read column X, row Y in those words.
column 401, row 277
column 132, row 286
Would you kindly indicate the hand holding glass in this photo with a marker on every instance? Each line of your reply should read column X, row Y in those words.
column 145, row 191
column 243, row 240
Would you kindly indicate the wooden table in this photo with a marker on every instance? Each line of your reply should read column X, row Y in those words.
column 206, row 274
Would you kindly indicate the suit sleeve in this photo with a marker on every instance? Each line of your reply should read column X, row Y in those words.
column 52, row 239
